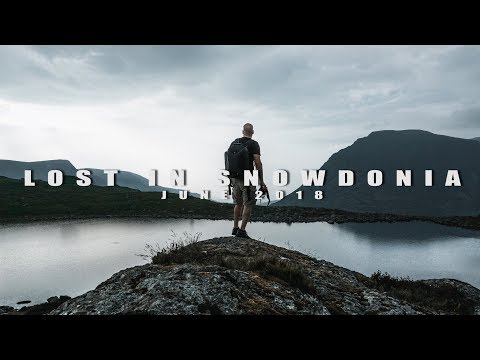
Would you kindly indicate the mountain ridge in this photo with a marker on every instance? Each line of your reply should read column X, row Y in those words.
column 391, row 150
column 14, row 169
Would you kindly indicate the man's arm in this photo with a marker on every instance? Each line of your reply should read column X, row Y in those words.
column 259, row 167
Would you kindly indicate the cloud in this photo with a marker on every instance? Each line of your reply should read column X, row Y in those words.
column 468, row 118
column 80, row 74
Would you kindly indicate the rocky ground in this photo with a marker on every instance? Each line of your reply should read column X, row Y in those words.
column 232, row 276
column 39, row 309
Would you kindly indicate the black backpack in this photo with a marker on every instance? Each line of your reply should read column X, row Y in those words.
column 237, row 158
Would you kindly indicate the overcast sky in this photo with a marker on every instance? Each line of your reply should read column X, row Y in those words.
column 141, row 107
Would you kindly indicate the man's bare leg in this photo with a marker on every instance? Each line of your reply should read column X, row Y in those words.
column 236, row 215
column 247, row 211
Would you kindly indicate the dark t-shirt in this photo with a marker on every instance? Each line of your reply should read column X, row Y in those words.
column 252, row 147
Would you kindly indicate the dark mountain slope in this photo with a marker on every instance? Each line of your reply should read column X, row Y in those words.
column 407, row 149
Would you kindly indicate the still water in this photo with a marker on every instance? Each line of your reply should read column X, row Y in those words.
column 69, row 258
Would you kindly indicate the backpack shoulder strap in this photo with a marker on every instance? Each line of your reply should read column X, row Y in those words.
column 246, row 142
column 237, row 141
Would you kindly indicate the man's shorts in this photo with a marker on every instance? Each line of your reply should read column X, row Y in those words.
column 241, row 194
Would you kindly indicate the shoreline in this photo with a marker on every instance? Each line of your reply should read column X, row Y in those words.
column 278, row 215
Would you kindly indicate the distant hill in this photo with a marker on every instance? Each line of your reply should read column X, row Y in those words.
column 16, row 169
column 127, row 179
column 476, row 138
column 388, row 151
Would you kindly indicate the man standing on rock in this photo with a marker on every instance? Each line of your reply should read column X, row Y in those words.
column 242, row 154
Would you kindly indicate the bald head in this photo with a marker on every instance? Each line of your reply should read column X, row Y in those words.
column 248, row 130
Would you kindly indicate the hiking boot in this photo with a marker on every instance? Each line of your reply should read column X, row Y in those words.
column 242, row 234
column 234, row 231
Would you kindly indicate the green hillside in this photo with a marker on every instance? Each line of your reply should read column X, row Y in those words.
column 69, row 201
column 17, row 201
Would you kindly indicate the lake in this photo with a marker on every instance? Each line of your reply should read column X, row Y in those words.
column 69, row 258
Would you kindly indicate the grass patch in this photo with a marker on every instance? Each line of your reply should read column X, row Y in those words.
column 181, row 249
column 444, row 298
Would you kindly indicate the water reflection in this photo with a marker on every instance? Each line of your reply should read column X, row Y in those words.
column 415, row 230
column 69, row 231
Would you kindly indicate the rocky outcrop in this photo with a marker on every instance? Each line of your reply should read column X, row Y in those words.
column 6, row 309
column 38, row 309
column 470, row 292
column 237, row 276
